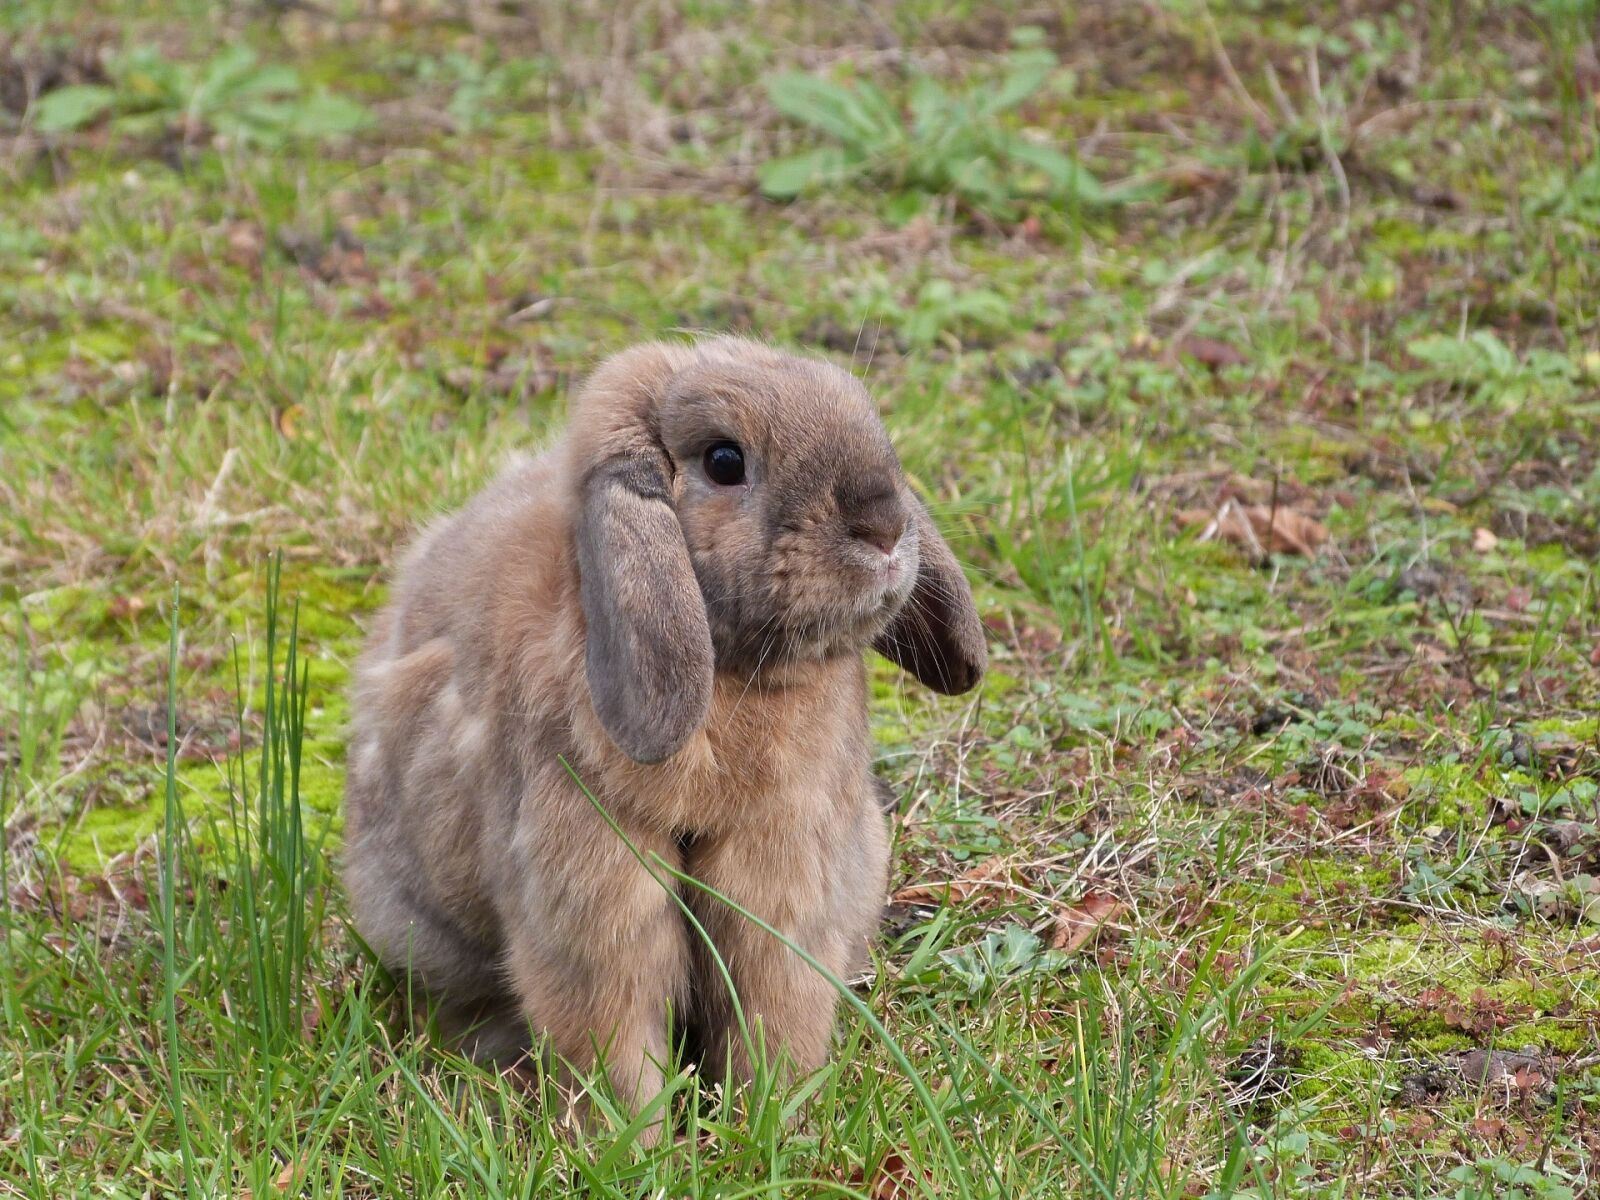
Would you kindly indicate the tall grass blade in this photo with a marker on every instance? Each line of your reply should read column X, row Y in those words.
column 171, row 848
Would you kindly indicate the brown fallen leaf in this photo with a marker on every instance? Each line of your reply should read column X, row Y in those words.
column 990, row 871
column 287, row 1178
column 1259, row 528
column 1077, row 924
column 123, row 607
column 1508, row 1071
column 289, row 420
column 1210, row 353
column 1488, row 1128
column 245, row 242
column 895, row 1179
column 311, row 1019
column 1437, row 197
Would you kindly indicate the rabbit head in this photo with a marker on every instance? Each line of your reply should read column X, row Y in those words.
column 742, row 510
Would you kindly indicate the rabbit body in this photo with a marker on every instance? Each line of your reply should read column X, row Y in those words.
column 592, row 605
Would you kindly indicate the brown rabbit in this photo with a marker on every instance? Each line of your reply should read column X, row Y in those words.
column 674, row 599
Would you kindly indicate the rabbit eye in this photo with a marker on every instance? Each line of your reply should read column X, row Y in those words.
column 724, row 463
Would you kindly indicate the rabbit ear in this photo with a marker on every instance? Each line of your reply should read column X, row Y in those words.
column 937, row 635
column 649, row 657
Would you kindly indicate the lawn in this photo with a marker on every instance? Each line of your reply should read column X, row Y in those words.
column 1247, row 353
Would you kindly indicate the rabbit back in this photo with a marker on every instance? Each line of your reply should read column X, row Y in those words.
column 443, row 726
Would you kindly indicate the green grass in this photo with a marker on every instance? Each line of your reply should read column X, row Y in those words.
column 1340, row 808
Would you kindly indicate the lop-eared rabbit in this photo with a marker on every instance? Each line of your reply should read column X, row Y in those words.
column 674, row 599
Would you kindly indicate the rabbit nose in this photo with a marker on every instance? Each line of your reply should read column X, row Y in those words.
column 879, row 522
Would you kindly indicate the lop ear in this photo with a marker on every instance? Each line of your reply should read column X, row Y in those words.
column 937, row 635
column 649, row 657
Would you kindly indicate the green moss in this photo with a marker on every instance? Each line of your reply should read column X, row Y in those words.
column 1328, row 872
column 1272, row 912
column 1551, row 1036
column 1402, row 723
column 326, row 678
column 1324, row 1073
column 1579, row 729
column 1449, row 793
column 321, row 787
column 120, row 819
column 1318, row 895
column 105, row 831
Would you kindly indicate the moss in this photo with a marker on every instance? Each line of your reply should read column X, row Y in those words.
column 321, row 788
column 1585, row 729
column 1308, row 898
column 1551, row 1036
column 1402, row 724
column 105, row 831
column 328, row 642
column 1449, row 793
column 1332, row 872
column 1280, row 913
column 1323, row 1071
column 1473, row 976
column 326, row 677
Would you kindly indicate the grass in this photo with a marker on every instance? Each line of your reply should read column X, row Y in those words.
column 1251, row 838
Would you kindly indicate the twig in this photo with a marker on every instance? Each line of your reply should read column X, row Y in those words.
column 1263, row 120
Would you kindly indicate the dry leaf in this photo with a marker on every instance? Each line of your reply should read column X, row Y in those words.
column 895, row 1178
column 123, row 606
column 1259, row 528
column 1484, row 540
column 1488, row 1128
column 289, row 420
column 1507, row 1069
column 988, row 871
column 1076, row 925
column 244, row 244
column 1209, row 352
column 311, row 1019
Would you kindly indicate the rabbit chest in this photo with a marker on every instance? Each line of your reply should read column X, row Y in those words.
column 792, row 750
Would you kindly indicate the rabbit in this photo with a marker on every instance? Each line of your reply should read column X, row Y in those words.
column 674, row 600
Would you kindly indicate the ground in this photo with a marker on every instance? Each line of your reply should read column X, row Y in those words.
column 1246, row 352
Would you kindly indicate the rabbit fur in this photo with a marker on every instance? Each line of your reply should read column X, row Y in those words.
column 693, row 650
